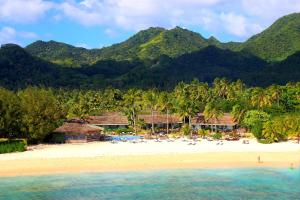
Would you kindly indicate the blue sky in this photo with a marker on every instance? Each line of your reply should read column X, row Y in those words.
column 98, row 23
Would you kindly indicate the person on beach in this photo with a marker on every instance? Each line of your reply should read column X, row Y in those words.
column 258, row 159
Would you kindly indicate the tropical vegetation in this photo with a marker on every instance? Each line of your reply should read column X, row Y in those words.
column 272, row 114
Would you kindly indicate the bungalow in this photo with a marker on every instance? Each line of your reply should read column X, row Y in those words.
column 224, row 123
column 109, row 120
column 77, row 133
column 118, row 120
column 161, row 120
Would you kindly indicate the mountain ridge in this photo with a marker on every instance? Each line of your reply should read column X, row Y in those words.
column 155, row 57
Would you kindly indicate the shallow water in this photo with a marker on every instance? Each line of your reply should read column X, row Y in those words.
column 171, row 184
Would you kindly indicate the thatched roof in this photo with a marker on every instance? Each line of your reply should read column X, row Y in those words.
column 226, row 119
column 79, row 128
column 160, row 118
column 108, row 119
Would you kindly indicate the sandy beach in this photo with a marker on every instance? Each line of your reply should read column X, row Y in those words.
column 125, row 156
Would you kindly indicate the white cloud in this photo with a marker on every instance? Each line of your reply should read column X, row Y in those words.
column 23, row 11
column 7, row 35
column 111, row 32
column 236, row 18
column 28, row 35
column 238, row 25
column 270, row 9
column 132, row 14
column 215, row 16
column 10, row 35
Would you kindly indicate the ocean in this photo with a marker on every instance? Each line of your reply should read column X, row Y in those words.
column 260, row 183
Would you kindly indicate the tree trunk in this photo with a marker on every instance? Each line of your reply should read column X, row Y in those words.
column 134, row 123
column 191, row 131
column 167, row 122
column 152, row 122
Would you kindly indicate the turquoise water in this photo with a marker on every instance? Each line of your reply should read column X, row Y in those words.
column 173, row 184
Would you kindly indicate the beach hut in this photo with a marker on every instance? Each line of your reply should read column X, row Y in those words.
column 225, row 123
column 111, row 120
column 161, row 120
column 78, row 132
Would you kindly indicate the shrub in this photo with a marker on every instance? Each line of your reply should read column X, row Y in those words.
column 8, row 146
column 217, row 136
column 186, row 129
column 265, row 141
column 254, row 119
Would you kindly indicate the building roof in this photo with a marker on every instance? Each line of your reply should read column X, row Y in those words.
column 117, row 118
column 108, row 119
column 160, row 118
column 79, row 128
column 226, row 119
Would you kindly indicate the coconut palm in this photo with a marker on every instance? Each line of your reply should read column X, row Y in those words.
column 221, row 87
column 150, row 102
column 132, row 105
column 260, row 98
column 275, row 93
column 165, row 102
column 211, row 111
column 185, row 102
column 238, row 112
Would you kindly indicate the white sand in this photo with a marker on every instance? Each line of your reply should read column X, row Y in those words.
column 100, row 149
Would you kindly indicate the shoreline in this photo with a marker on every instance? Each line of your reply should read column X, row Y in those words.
column 130, row 163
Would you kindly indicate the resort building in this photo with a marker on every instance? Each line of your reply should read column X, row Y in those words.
column 161, row 120
column 119, row 120
column 76, row 132
column 109, row 120
column 225, row 123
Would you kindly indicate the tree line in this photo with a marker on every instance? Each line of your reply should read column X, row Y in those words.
column 271, row 114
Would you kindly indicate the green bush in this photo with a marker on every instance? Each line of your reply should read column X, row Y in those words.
column 217, row 136
column 265, row 141
column 254, row 119
column 8, row 146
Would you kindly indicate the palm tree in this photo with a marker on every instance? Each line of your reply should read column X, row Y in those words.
column 236, row 90
column 221, row 87
column 150, row 101
column 275, row 93
column 190, row 99
column 260, row 98
column 165, row 102
column 238, row 112
column 211, row 111
column 132, row 105
column 180, row 100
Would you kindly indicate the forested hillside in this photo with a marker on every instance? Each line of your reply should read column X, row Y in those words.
column 157, row 57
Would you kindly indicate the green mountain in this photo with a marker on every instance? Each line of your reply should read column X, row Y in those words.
column 279, row 41
column 157, row 57
column 19, row 69
column 276, row 43
column 61, row 53
column 205, row 65
column 147, row 44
